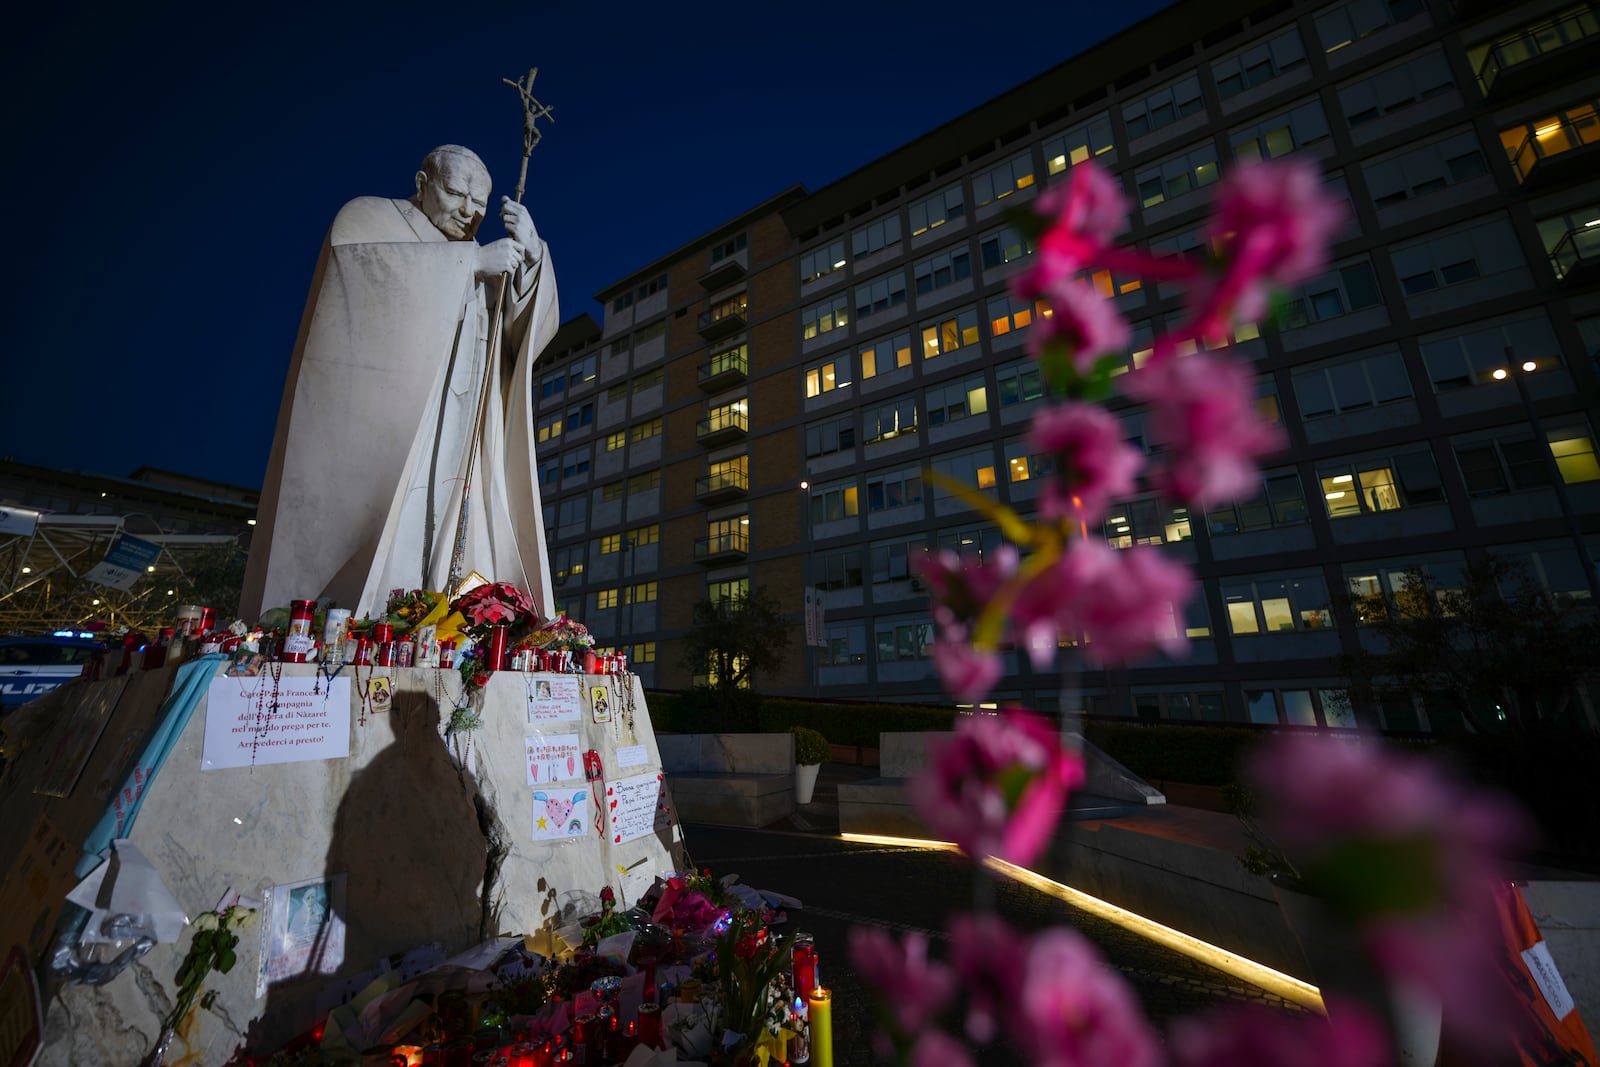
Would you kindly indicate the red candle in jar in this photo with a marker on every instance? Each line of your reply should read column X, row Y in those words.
column 805, row 965
column 650, row 1025
column 383, row 644
column 298, row 642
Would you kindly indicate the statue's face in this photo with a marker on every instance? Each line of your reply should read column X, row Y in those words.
column 455, row 199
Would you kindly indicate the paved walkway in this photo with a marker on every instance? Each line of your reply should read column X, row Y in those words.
column 845, row 884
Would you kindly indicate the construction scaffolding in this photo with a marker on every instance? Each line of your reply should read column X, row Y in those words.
column 43, row 588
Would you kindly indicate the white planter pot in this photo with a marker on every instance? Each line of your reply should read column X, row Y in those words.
column 805, row 781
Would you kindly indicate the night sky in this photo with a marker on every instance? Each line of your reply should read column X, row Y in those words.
column 184, row 161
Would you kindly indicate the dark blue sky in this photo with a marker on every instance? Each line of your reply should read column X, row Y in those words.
column 178, row 166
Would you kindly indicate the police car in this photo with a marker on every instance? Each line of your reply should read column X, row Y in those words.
column 32, row 666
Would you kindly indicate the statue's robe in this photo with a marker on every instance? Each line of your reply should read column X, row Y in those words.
column 363, row 489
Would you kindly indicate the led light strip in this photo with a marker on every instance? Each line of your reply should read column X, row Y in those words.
column 1276, row 982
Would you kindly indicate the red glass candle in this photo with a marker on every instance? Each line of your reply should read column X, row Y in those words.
column 650, row 1025
column 805, row 965
column 298, row 642
column 495, row 655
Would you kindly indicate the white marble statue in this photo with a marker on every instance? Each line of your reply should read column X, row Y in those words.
column 368, row 463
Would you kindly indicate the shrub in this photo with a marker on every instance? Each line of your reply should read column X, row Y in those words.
column 852, row 724
column 809, row 745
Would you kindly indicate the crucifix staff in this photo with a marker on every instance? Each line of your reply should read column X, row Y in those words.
column 532, row 111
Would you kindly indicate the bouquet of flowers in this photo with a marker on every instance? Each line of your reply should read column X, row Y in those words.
column 407, row 610
column 559, row 634
column 496, row 602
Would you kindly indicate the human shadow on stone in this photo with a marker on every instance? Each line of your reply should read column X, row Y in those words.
column 406, row 838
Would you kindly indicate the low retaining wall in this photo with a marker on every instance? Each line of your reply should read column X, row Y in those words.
column 730, row 779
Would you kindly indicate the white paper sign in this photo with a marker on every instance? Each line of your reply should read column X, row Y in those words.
column 1543, row 968
column 637, row 807
column 560, row 813
column 632, row 756
column 553, row 759
column 554, row 698
column 259, row 720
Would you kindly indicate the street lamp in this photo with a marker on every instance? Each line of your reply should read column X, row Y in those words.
column 1518, row 373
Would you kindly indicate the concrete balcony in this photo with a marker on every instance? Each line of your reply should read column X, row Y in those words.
column 722, row 548
column 722, row 487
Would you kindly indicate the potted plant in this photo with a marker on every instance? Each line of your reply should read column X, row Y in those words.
column 810, row 750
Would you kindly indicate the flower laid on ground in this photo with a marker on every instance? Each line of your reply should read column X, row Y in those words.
column 997, row 784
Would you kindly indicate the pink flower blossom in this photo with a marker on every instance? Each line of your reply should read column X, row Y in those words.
column 1090, row 204
column 1075, row 1011
column 935, row 1048
column 996, row 785
column 1253, row 1036
column 1126, row 600
column 960, row 587
column 984, row 952
column 967, row 673
column 1204, row 408
column 1089, row 324
column 959, row 591
column 914, row 988
column 1409, row 855
column 1086, row 212
column 496, row 602
column 1094, row 464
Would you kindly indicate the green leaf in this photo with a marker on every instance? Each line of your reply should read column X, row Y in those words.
column 226, row 960
column 1012, row 526
column 1014, row 781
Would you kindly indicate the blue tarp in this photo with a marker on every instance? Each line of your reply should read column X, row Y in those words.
column 191, row 683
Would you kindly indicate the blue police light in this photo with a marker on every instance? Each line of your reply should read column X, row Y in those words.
column 65, row 633
column 85, row 633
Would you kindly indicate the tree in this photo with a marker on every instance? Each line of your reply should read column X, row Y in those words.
column 735, row 639
column 1500, row 648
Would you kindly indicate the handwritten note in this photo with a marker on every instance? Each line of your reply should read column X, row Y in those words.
column 632, row 756
column 560, row 813
column 553, row 759
column 554, row 698
column 637, row 806
column 255, row 721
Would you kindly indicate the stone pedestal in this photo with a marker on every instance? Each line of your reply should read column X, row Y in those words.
column 435, row 839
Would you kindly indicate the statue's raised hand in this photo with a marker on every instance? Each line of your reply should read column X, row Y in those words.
column 519, row 224
column 501, row 257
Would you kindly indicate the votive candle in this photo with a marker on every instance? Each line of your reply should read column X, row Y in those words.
column 821, row 1011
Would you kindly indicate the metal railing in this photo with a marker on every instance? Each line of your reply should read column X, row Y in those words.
column 722, row 544
column 726, row 309
column 716, row 483
column 1534, row 41
column 1562, row 134
column 737, row 361
column 718, row 421
column 1578, row 247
